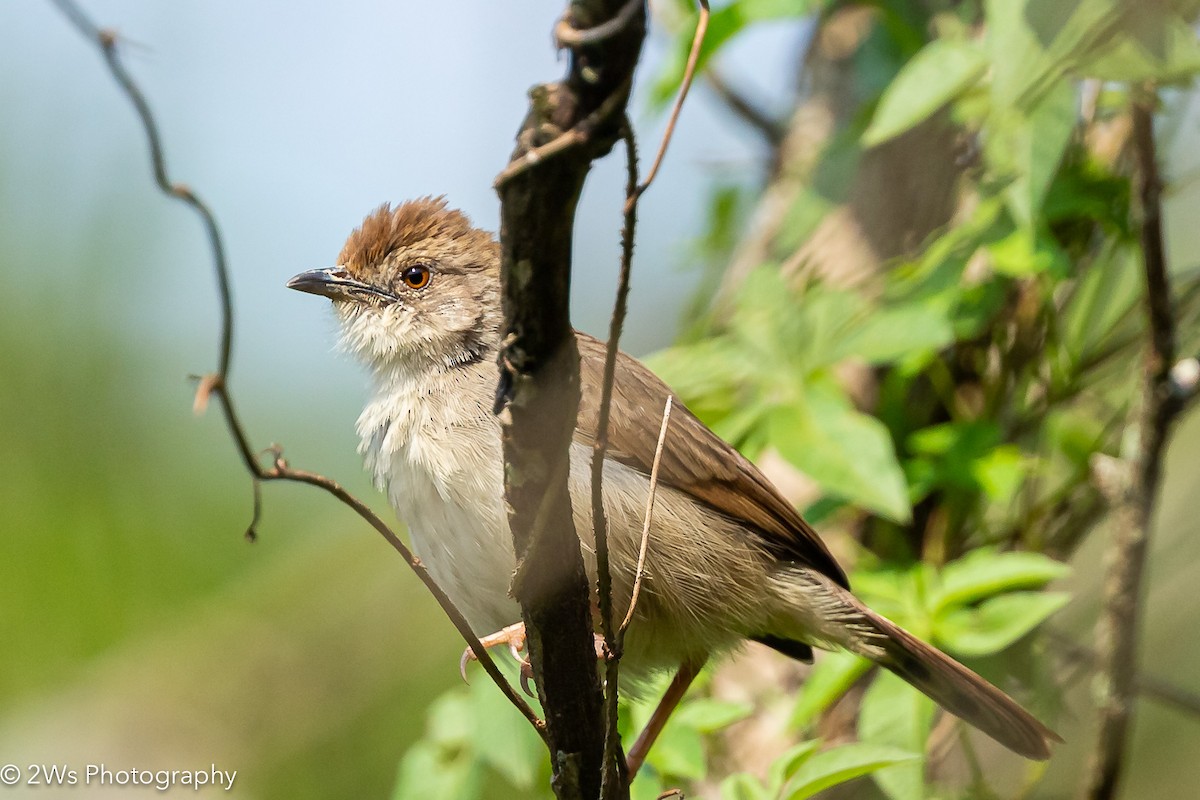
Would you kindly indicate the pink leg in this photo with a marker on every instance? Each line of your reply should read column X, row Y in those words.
column 658, row 720
column 513, row 636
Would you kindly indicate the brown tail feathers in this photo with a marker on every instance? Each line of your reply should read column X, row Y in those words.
column 957, row 689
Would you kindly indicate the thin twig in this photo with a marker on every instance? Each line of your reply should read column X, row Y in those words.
column 610, row 782
column 641, row 561
column 217, row 384
column 564, row 141
column 688, row 74
column 1117, row 630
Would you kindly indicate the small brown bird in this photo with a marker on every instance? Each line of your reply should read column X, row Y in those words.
column 417, row 291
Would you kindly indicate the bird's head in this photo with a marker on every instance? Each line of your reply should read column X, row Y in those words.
column 415, row 286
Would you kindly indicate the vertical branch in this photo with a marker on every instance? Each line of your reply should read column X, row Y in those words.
column 569, row 124
column 1117, row 631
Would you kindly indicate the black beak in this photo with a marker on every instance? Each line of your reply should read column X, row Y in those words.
column 334, row 283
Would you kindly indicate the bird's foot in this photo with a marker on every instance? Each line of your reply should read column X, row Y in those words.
column 513, row 637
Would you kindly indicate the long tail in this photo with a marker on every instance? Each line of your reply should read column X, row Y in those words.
column 955, row 688
column 827, row 615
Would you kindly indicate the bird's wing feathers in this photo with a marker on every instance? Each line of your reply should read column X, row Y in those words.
column 695, row 460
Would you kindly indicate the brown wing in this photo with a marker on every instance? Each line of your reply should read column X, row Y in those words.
column 695, row 460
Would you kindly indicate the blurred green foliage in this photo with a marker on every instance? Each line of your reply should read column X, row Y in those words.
column 138, row 628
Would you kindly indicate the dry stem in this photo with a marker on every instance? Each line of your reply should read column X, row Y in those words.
column 1117, row 631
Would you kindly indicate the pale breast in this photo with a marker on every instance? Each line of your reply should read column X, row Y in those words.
column 435, row 450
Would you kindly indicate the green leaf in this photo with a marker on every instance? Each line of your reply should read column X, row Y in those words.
column 894, row 714
column 971, row 438
column 834, row 767
column 936, row 75
column 679, row 752
column 890, row 333
column 957, row 456
column 1038, row 146
column 450, row 719
column 891, row 591
column 1037, row 44
column 1001, row 473
column 995, row 623
column 1024, row 252
column 784, row 767
column 985, row 572
column 430, row 772
column 831, row 677
column 707, row 715
column 1075, row 434
column 741, row 786
column 648, row 786
column 816, row 333
column 502, row 739
column 1105, row 295
column 708, row 368
column 1034, row 44
column 1155, row 46
column 845, row 451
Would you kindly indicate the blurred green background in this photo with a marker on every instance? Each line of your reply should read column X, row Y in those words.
column 137, row 627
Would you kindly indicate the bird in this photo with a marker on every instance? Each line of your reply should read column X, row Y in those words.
column 416, row 290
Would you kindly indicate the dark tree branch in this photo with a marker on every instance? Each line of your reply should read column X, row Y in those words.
column 538, row 394
column 1117, row 631
column 570, row 123
column 217, row 384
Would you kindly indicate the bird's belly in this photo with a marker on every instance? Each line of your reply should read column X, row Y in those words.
column 448, row 490
column 468, row 551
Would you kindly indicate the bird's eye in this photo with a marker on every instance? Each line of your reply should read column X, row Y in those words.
column 416, row 277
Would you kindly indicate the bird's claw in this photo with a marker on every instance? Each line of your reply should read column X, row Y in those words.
column 514, row 638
